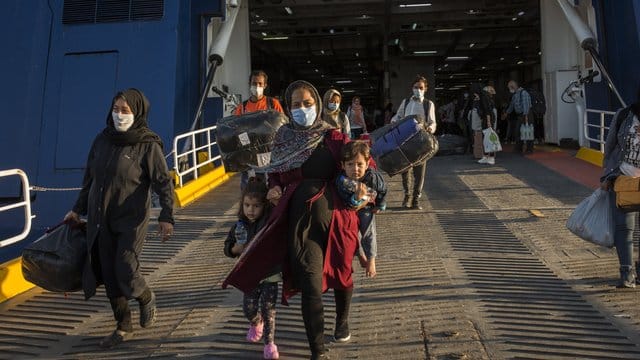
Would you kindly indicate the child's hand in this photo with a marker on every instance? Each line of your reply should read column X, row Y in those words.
column 237, row 249
column 363, row 260
column 361, row 192
column 371, row 268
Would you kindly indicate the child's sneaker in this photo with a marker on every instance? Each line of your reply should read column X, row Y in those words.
column 255, row 332
column 271, row 351
column 484, row 160
column 491, row 160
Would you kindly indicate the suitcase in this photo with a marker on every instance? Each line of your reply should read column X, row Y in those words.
column 400, row 146
column 247, row 140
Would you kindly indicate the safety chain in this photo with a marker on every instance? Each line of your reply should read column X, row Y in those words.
column 40, row 188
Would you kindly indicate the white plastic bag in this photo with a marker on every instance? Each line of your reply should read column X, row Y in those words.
column 592, row 220
column 526, row 132
column 491, row 141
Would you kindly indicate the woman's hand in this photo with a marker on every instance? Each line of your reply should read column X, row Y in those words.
column 274, row 194
column 605, row 185
column 165, row 230
column 72, row 216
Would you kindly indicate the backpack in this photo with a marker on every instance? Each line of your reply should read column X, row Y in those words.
column 269, row 104
column 538, row 103
column 426, row 104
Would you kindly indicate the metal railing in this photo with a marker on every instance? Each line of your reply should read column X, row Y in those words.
column 25, row 202
column 601, row 126
column 186, row 162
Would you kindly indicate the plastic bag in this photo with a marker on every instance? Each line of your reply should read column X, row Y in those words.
column 526, row 132
column 56, row 260
column 592, row 220
column 491, row 141
column 247, row 140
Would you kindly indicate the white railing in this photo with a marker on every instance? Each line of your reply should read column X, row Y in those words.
column 186, row 162
column 25, row 203
column 601, row 126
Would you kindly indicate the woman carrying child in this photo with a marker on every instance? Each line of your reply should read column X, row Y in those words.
column 259, row 305
column 311, row 232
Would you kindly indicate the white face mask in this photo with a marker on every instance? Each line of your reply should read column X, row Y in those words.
column 333, row 106
column 419, row 93
column 513, row 91
column 122, row 122
column 304, row 117
column 257, row 91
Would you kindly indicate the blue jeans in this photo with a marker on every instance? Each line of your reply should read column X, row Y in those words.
column 625, row 223
column 368, row 233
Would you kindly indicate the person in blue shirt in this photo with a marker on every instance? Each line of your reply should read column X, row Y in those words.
column 520, row 106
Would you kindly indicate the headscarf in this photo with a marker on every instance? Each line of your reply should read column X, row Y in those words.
column 294, row 144
column 329, row 116
column 139, row 132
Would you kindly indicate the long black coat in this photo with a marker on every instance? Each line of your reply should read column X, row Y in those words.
column 115, row 196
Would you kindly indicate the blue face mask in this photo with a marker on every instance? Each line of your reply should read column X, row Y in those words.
column 304, row 117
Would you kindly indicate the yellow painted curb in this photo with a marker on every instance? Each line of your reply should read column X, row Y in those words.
column 194, row 189
column 592, row 156
column 12, row 282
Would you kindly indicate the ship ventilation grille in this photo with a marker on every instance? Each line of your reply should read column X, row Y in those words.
column 106, row 11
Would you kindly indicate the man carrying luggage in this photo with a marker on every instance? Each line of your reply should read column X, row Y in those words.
column 417, row 104
column 257, row 102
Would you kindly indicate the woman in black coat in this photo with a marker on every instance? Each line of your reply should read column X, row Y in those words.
column 124, row 163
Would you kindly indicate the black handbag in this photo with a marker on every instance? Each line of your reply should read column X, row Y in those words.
column 55, row 261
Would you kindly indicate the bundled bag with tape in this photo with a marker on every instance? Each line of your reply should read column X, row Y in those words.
column 55, row 261
column 592, row 220
column 403, row 144
column 627, row 190
column 247, row 140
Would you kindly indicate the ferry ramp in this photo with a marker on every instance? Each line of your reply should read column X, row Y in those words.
column 486, row 271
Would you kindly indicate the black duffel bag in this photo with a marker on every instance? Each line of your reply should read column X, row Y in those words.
column 401, row 145
column 247, row 140
column 55, row 261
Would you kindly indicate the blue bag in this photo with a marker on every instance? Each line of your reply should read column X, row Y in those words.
column 399, row 146
column 392, row 136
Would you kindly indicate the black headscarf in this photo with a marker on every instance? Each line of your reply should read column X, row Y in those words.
column 139, row 132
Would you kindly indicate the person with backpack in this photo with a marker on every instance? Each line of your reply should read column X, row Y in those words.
column 417, row 104
column 257, row 102
column 520, row 106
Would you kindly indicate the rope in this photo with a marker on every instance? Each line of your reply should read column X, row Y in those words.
column 40, row 188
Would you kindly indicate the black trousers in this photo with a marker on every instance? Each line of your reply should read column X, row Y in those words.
column 415, row 189
column 308, row 234
column 120, row 269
